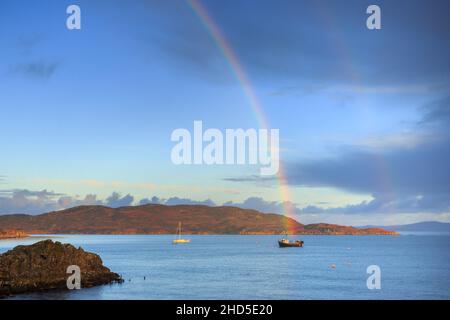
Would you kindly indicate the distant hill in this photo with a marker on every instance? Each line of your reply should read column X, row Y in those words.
column 162, row 219
column 426, row 226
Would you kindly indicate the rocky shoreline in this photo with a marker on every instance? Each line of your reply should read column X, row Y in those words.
column 12, row 234
column 44, row 266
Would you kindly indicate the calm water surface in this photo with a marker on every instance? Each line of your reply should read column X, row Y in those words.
column 253, row 267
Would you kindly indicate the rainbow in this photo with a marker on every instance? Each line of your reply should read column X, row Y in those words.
column 256, row 106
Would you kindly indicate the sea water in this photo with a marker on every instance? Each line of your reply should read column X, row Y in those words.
column 254, row 267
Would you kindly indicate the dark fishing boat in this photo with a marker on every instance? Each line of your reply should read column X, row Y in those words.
column 285, row 243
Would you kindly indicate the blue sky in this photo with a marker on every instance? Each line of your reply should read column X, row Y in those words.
column 363, row 114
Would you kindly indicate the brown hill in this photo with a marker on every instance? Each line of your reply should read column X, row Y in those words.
column 162, row 219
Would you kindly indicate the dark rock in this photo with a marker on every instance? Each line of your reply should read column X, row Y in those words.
column 43, row 266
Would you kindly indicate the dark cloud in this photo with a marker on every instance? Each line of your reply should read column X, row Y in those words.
column 385, row 203
column 115, row 200
column 413, row 179
column 437, row 113
column 421, row 170
column 26, row 201
column 184, row 42
column 315, row 41
column 89, row 200
column 27, row 193
column 153, row 200
column 176, row 201
column 26, row 43
column 36, row 69
column 37, row 202
column 29, row 64
column 259, row 204
column 418, row 171
column 260, row 180
column 381, row 204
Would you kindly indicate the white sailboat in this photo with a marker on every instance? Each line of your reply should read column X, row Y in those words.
column 179, row 239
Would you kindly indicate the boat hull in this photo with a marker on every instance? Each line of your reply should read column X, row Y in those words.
column 283, row 244
column 177, row 241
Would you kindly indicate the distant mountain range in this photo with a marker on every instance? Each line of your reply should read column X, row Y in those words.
column 163, row 219
column 426, row 226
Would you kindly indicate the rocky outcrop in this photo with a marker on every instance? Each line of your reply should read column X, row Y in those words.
column 43, row 266
column 11, row 234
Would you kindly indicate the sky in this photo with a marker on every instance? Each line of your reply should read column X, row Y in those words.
column 363, row 115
